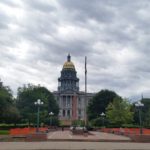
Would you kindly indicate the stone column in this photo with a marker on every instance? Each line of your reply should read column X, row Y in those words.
column 70, row 107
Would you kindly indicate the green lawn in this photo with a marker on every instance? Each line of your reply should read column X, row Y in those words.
column 4, row 132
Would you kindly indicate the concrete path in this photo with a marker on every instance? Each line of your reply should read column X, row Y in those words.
column 94, row 136
column 73, row 146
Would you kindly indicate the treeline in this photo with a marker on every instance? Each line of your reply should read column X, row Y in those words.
column 22, row 109
column 8, row 110
column 118, row 111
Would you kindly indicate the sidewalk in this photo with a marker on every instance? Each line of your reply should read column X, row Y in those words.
column 73, row 142
column 73, row 146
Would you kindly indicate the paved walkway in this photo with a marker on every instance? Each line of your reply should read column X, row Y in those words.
column 65, row 145
column 94, row 136
column 73, row 146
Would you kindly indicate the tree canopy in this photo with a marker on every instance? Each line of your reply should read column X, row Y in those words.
column 8, row 112
column 22, row 109
column 119, row 112
column 26, row 97
column 99, row 102
column 146, row 111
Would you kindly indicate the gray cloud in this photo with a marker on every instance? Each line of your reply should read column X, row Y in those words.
column 86, row 9
column 37, row 35
column 43, row 6
column 10, row 3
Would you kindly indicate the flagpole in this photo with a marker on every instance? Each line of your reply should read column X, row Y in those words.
column 85, row 91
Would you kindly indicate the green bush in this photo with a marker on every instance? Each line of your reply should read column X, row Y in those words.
column 78, row 123
column 10, row 126
column 130, row 126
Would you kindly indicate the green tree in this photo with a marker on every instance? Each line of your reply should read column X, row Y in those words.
column 8, row 111
column 99, row 102
column 119, row 112
column 26, row 97
column 12, row 115
column 146, row 111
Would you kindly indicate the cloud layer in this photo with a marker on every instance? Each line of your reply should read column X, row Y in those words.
column 37, row 35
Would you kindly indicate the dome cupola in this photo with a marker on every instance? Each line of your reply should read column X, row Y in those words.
column 68, row 80
column 68, row 64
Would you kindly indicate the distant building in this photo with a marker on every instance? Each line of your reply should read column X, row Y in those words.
column 71, row 101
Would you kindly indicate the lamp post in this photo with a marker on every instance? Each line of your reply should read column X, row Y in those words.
column 51, row 114
column 139, row 105
column 102, row 115
column 38, row 103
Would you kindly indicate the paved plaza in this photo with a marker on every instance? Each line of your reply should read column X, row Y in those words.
column 93, row 136
column 77, row 142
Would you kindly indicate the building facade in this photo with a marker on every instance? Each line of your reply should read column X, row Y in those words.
column 72, row 102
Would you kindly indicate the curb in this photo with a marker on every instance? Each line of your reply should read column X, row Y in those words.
column 89, row 140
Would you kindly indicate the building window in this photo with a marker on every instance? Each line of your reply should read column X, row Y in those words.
column 68, row 101
column 68, row 113
column 64, row 113
column 64, row 101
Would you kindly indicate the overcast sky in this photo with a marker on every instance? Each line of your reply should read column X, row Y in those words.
column 37, row 35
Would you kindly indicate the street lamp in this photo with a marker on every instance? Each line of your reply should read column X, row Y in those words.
column 102, row 115
column 38, row 103
column 139, row 105
column 51, row 114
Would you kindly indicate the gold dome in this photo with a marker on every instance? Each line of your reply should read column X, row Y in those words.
column 68, row 64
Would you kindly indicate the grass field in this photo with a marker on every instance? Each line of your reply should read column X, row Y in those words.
column 4, row 132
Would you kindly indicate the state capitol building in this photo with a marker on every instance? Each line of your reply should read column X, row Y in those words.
column 71, row 100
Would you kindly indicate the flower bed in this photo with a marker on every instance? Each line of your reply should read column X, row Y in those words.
column 26, row 131
column 126, row 131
